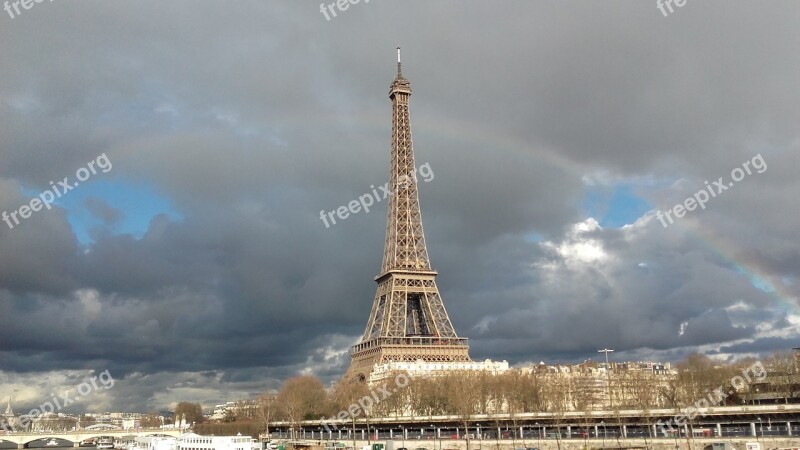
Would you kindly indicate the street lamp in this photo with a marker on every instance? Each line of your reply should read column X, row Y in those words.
column 760, row 425
column 538, row 435
column 354, row 433
column 606, row 351
column 677, row 435
column 603, row 423
column 608, row 375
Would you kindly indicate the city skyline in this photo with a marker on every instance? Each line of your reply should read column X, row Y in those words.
column 606, row 176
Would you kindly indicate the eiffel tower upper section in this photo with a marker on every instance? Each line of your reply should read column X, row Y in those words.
column 405, row 241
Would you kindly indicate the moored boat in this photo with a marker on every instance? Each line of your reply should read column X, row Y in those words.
column 193, row 441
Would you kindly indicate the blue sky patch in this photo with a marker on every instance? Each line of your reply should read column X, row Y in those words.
column 614, row 206
column 136, row 204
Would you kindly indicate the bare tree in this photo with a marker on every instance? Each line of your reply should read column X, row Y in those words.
column 151, row 420
column 346, row 393
column 556, row 393
column 583, row 391
column 697, row 376
column 427, row 397
column 643, row 387
column 782, row 377
column 192, row 412
column 399, row 400
column 464, row 397
column 301, row 398
column 265, row 409
column 510, row 398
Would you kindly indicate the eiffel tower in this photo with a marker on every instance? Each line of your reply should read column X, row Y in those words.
column 408, row 321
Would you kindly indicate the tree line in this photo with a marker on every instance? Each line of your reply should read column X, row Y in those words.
column 554, row 389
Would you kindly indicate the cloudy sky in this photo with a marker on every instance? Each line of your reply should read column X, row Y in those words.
column 193, row 265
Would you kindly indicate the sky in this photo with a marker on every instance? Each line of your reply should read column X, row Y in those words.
column 570, row 145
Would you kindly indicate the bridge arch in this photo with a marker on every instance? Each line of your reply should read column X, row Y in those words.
column 61, row 441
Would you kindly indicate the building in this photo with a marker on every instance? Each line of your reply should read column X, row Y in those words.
column 240, row 409
column 118, row 420
column 408, row 325
column 8, row 421
column 223, row 410
column 382, row 372
column 592, row 385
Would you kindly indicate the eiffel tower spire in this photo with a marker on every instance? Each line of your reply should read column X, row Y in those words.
column 405, row 241
column 408, row 321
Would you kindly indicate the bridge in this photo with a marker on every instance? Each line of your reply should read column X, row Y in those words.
column 75, row 437
column 725, row 421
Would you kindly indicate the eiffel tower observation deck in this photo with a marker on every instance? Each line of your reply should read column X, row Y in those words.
column 408, row 321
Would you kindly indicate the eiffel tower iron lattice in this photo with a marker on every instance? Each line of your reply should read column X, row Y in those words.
column 408, row 321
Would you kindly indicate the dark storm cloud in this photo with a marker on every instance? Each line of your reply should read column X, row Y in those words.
column 251, row 117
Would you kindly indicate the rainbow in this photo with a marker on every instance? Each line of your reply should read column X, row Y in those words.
column 781, row 291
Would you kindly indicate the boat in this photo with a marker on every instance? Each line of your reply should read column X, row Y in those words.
column 51, row 443
column 105, row 443
column 154, row 443
column 88, row 442
column 191, row 441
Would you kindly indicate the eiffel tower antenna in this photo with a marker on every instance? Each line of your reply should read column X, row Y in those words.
column 398, row 62
column 408, row 321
